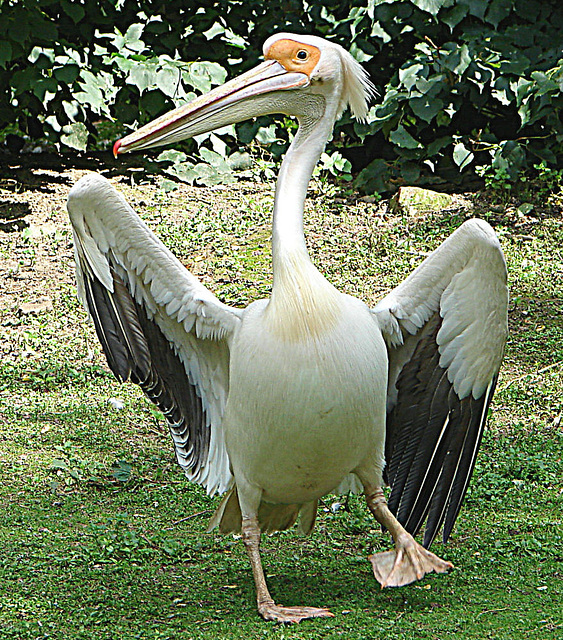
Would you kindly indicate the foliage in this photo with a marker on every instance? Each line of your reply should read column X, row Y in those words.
column 462, row 84
column 71, row 468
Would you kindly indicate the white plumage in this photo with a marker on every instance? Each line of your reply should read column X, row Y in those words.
column 310, row 391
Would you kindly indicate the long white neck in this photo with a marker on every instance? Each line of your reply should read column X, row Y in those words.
column 288, row 240
column 301, row 297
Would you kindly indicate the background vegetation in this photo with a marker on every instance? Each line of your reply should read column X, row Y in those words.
column 467, row 87
column 101, row 535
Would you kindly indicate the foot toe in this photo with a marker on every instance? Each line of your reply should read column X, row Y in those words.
column 274, row 612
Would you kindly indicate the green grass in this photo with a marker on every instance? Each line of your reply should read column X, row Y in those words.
column 88, row 555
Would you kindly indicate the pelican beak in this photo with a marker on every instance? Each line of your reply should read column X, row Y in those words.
column 237, row 100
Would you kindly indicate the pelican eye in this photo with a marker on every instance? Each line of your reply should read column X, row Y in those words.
column 302, row 55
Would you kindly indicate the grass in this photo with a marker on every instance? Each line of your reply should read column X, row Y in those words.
column 101, row 535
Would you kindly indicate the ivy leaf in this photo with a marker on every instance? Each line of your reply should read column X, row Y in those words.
column 167, row 80
column 96, row 91
column 437, row 145
column 458, row 58
column 171, row 155
column 373, row 178
column 74, row 10
column 45, row 86
column 477, row 8
column 498, row 11
column 431, row 6
column 142, row 75
column 377, row 31
column 67, row 73
column 266, row 135
column 425, row 107
column 462, row 156
column 410, row 75
column 75, row 136
column 402, row 138
column 203, row 75
column 132, row 38
column 453, row 16
column 24, row 79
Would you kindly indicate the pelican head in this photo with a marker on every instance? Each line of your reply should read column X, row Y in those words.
column 302, row 76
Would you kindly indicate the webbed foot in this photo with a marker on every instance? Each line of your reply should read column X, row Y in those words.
column 409, row 561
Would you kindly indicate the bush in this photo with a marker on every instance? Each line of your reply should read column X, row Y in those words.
column 463, row 84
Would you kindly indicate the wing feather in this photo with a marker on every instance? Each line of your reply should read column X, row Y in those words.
column 158, row 325
column 446, row 328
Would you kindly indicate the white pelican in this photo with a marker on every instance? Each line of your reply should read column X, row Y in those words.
column 310, row 391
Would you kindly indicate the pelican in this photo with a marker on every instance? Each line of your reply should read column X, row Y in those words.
column 310, row 391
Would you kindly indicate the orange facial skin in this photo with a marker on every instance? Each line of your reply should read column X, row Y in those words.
column 294, row 56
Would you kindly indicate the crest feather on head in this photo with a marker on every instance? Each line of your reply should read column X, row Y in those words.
column 357, row 89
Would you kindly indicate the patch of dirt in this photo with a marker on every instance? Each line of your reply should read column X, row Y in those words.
column 31, row 270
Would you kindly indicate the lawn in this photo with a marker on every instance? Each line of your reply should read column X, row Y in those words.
column 101, row 535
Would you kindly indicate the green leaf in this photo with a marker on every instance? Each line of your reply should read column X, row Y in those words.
column 431, row 6
column 214, row 159
column 24, row 79
column 143, row 76
column 373, row 179
column 233, row 39
column 75, row 135
column 67, row 74
column 203, row 75
column 410, row 171
column 477, row 8
column 377, row 31
column 216, row 29
column 97, row 91
column 426, row 107
column 74, row 10
column 132, row 38
column 5, row 52
column 240, row 161
column 171, row 547
column 402, row 138
column 21, row 34
column 121, row 470
column 409, row 75
column 453, row 16
column 437, row 145
column 359, row 54
column 266, row 135
column 167, row 80
column 498, row 11
column 545, row 84
column 509, row 157
column 462, row 156
column 171, row 155
column 44, row 86
column 458, row 58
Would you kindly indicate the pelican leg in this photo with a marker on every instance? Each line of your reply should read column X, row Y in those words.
column 409, row 561
column 266, row 606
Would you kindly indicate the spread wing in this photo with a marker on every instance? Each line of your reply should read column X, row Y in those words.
column 446, row 328
column 158, row 325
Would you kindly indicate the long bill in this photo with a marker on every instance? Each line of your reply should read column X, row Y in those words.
column 237, row 100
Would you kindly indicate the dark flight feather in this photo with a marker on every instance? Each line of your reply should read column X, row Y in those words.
column 137, row 350
column 432, row 441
